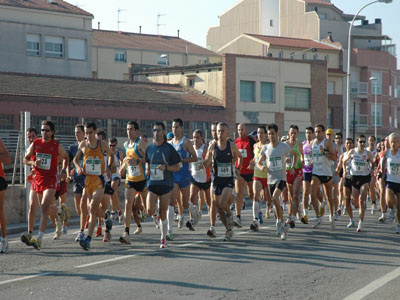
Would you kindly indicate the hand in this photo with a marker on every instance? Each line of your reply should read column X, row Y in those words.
column 161, row 167
column 69, row 179
column 80, row 171
column 321, row 149
column 251, row 165
column 37, row 163
column 72, row 172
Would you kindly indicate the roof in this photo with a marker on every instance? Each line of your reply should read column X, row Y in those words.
column 293, row 42
column 81, row 89
column 55, row 5
column 130, row 40
column 322, row 2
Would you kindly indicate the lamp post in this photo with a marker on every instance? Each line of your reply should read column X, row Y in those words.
column 348, row 63
column 375, row 81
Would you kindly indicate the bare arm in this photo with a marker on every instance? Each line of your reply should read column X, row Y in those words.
column 295, row 158
column 189, row 148
column 209, row 155
column 81, row 149
column 236, row 156
column 330, row 154
column 5, row 157
column 28, row 155
column 339, row 166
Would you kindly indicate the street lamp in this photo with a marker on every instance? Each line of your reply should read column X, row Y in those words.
column 375, row 81
column 348, row 63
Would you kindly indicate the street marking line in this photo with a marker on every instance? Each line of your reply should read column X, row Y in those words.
column 374, row 285
column 26, row 277
column 108, row 260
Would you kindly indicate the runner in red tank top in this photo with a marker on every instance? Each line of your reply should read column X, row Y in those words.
column 46, row 151
column 4, row 159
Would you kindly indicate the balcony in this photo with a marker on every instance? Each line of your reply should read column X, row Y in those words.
column 359, row 89
column 360, row 121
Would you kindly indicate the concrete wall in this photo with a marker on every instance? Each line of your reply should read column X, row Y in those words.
column 269, row 12
column 246, row 46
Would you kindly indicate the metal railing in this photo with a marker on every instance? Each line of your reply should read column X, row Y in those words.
column 359, row 89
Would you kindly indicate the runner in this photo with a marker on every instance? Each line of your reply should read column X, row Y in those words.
column 382, row 179
column 93, row 167
column 181, row 178
column 260, row 179
column 323, row 152
column 116, row 213
column 245, row 146
column 275, row 154
column 294, row 178
column 337, row 150
column 222, row 154
column 372, row 186
column 361, row 163
column 201, row 180
column 4, row 159
column 46, row 152
column 339, row 143
column 161, row 161
column 133, row 166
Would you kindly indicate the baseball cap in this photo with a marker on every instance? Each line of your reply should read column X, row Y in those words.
column 329, row 131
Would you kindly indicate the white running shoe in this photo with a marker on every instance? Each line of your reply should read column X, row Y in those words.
column 80, row 236
column 180, row 222
column 285, row 229
column 373, row 208
column 360, row 227
column 279, row 229
column 318, row 222
column 351, row 224
column 3, row 246
column 332, row 222
column 391, row 216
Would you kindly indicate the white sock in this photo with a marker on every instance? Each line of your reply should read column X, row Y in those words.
column 170, row 217
column 256, row 209
column 163, row 228
column 40, row 235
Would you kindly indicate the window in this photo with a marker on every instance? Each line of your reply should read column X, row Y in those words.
column 203, row 61
column 77, row 49
column 190, row 82
column 269, row 54
column 120, row 56
column 271, row 23
column 247, row 91
column 291, row 55
column 326, row 58
column 267, row 92
column 64, row 125
column 331, row 88
column 6, row 121
column 54, row 46
column 298, row 98
column 322, row 15
column 304, row 56
column 119, row 128
column 329, row 121
column 376, row 84
column 33, row 44
column 146, row 128
column 280, row 54
column 395, row 87
column 186, row 128
column 315, row 56
column 378, row 114
column 163, row 59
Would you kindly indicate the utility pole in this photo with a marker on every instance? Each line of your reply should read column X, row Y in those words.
column 118, row 21
column 158, row 22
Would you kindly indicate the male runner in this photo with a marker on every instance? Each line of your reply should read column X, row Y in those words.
column 372, row 185
column 4, row 159
column 116, row 181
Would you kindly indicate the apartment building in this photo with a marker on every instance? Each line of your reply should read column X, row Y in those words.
column 45, row 37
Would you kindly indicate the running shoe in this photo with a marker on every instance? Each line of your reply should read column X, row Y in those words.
column 336, row 216
column 254, row 226
column 238, row 222
column 229, row 220
column 318, row 221
column 114, row 216
column 108, row 221
column 304, row 219
column 339, row 211
column 267, row 214
column 64, row 230
column 322, row 208
column 351, row 224
column 180, row 222
column 260, row 217
column 163, row 244
column 107, row 236
column 211, row 232
column 291, row 223
column 138, row 231
column 3, row 246
column 85, row 243
column 228, row 235
column 170, row 236
column 57, row 233
column 332, row 222
column 125, row 239
column 398, row 228
column 189, row 224
column 360, row 227
column 278, row 229
column 26, row 238
column 200, row 214
column 36, row 243
column 285, row 229
column 80, row 236
column 373, row 208
column 391, row 216
column 99, row 231
column 232, row 208
column 195, row 215
column 121, row 217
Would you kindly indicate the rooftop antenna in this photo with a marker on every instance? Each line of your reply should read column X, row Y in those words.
column 158, row 22
column 119, row 12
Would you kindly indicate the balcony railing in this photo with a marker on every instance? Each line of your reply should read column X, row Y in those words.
column 359, row 89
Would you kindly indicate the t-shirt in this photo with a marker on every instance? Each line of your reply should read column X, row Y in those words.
column 164, row 154
column 276, row 158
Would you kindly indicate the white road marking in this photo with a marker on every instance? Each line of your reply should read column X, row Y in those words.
column 25, row 277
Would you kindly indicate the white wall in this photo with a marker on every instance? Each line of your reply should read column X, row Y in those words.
column 269, row 11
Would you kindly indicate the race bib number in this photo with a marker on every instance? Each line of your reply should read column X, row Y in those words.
column 224, row 170
column 243, row 152
column 45, row 160
column 196, row 168
column 275, row 163
column 134, row 171
column 93, row 166
column 308, row 159
column 394, row 169
column 359, row 165
column 317, row 157
column 156, row 174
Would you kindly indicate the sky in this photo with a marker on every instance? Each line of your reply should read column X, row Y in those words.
column 193, row 18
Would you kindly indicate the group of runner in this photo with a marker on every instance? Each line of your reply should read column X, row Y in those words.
column 178, row 172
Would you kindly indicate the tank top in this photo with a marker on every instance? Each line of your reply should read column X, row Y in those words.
column 322, row 167
column 347, row 169
column 359, row 163
column 244, row 147
column 393, row 167
column 200, row 175
column 289, row 161
column 93, row 160
column 183, row 154
column 308, row 157
column 222, row 165
column 47, row 152
column 257, row 153
column 134, row 173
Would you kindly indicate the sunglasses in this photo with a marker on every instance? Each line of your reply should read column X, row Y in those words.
column 362, row 142
column 45, row 130
column 111, row 145
column 156, row 130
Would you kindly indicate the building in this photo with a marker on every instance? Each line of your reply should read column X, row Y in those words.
column 45, row 37
column 115, row 51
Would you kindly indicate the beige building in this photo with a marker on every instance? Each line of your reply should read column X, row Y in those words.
column 114, row 52
column 45, row 37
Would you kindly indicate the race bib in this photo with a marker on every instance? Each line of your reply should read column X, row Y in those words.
column 394, row 169
column 308, row 159
column 134, row 171
column 196, row 168
column 45, row 160
column 224, row 170
column 275, row 164
column 156, row 174
column 93, row 166
column 317, row 157
column 359, row 165
column 243, row 152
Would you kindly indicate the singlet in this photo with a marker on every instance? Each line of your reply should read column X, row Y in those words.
column 308, row 157
column 2, row 174
column 93, row 160
column 289, row 161
column 222, row 165
column 245, row 149
column 183, row 154
column 134, row 173
column 257, row 153
column 393, row 167
column 48, row 154
column 359, row 163
column 275, row 158
column 200, row 175
column 322, row 167
column 347, row 169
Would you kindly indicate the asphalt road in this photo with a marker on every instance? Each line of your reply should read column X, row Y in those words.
column 310, row 264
